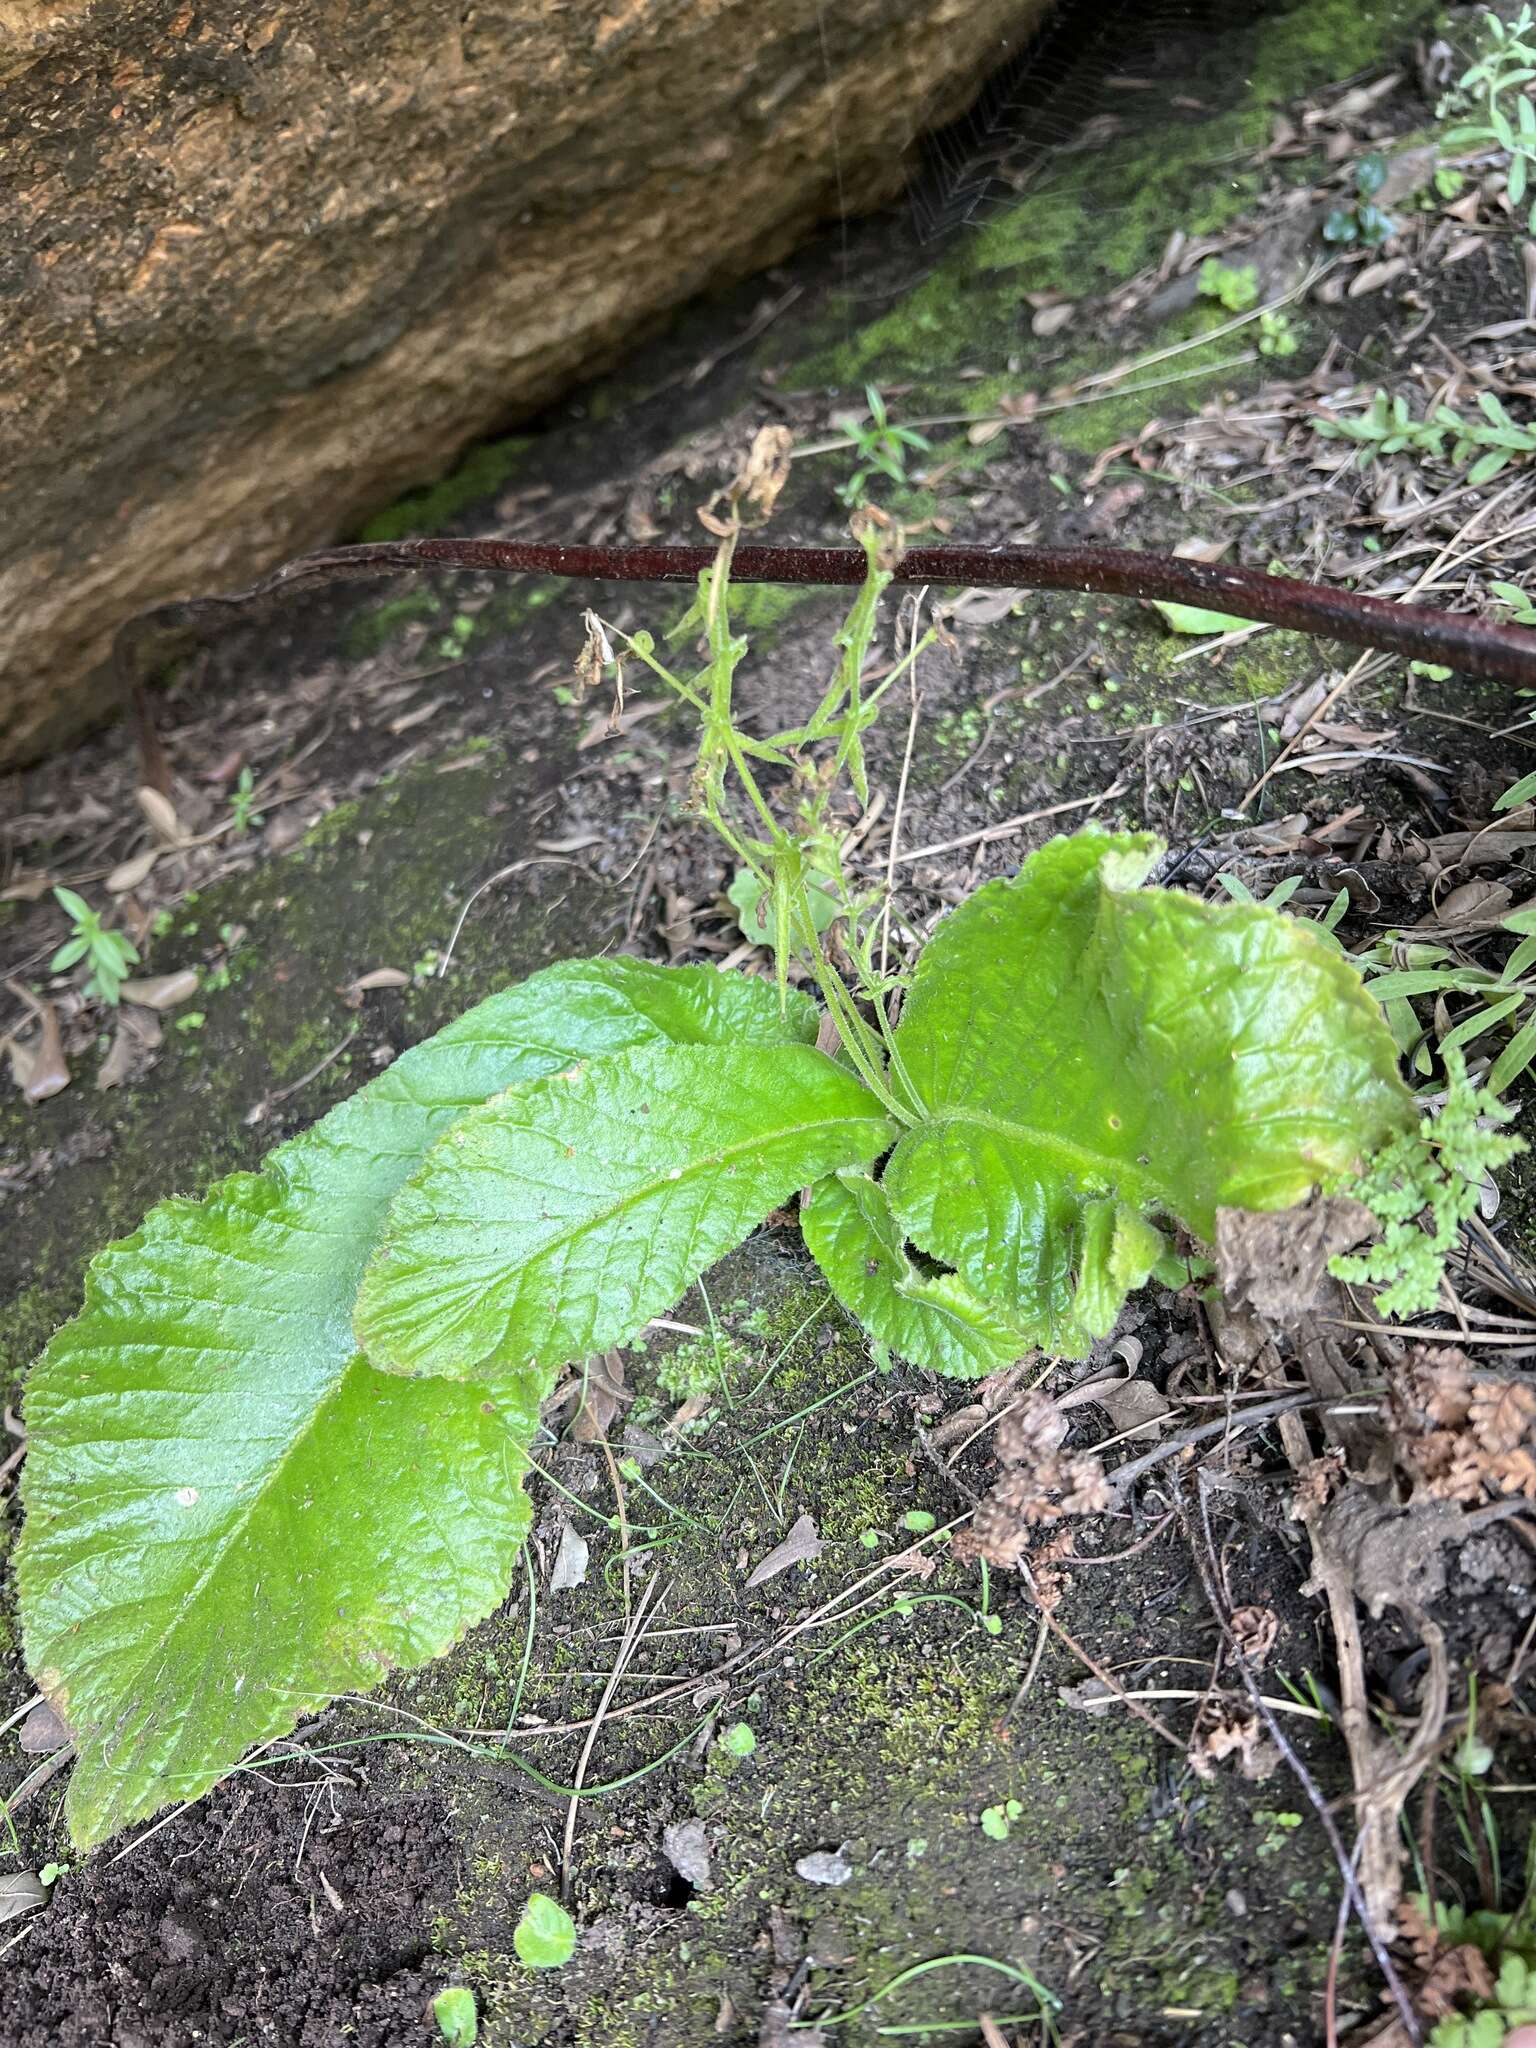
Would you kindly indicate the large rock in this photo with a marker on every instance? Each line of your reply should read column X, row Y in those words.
column 267, row 265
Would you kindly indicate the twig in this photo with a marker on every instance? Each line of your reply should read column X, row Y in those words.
column 1503, row 653
column 1007, row 826
column 626, row 1650
column 1204, row 1555
column 264, row 1108
column 1104, row 1677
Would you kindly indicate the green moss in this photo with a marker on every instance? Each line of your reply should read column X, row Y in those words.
column 482, row 472
column 1098, row 219
column 1326, row 41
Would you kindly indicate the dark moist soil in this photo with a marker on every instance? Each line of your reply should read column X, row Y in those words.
column 327, row 1897
column 301, row 1921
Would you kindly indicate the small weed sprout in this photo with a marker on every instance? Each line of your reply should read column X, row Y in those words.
column 1277, row 335
column 1387, row 427
column 1507, row 1941
column 1234, row 286
column 1522, row 611
column 457, row 2019
column 243, row 814
column 110, row 954
column 1498, row 83
column 1361, row 223
column 879, row 448
column 1439, row 1174
column 997, row 1821
column 545, row 1936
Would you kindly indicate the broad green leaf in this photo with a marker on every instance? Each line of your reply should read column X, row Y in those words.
column 560, row 1217
column 545, row 1935
column 458, row 2021
column 932, row 1320
column 1089, row 1053
column 229, row 1514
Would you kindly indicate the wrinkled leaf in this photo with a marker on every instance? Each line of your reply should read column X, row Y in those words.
column 931, row 1320
column 560, row 1217
column 229, row 1515
column 1089, row 1053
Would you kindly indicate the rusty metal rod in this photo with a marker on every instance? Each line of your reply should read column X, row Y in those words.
column 1455, row 640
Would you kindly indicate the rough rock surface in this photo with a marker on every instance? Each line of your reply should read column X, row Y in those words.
column 268, row 264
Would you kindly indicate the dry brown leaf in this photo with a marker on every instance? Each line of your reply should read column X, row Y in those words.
column 1135, row 1408
column 42, row 1732
column 1086, row 1490
column 1276, row 1263
column 47, row 1070
column 1049, row 320
column 1254, row 1631
column 161, row 991
column 801, row 1546
column 766, row 470
column 1225, row 1727
column 1502, row 1413
column 1515, row 1472
column 1377, row 275
column 129, row 873
column 999, row 1530
column 603, row 1394
column 570, row 1566
column 1032, row 1431
column 378, row 977
column 161, row 815
column 596, row 655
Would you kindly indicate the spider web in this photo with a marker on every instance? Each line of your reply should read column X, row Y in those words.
column 1074, row 81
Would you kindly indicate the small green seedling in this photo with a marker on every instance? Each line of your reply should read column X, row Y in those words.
column 457, row 2020
column 1277, row 335
column 243, row 814
column 919, row 1521
column 1499, row 82
column 455, row 642
column 1361, row 223
column 879, row 448
column 1522, row 611
column 52, row 1872
column 1235, row 286
column 1441, row 1176
column 1387, row 427
column 738, row 1740
column 110, row 954
column 997, row 1821
column 545, row 1936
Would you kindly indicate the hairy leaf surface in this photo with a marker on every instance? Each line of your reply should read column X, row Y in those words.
column 1088, row 1053
column 934, row 1320
column 229, row 1514
column 560, row 1217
